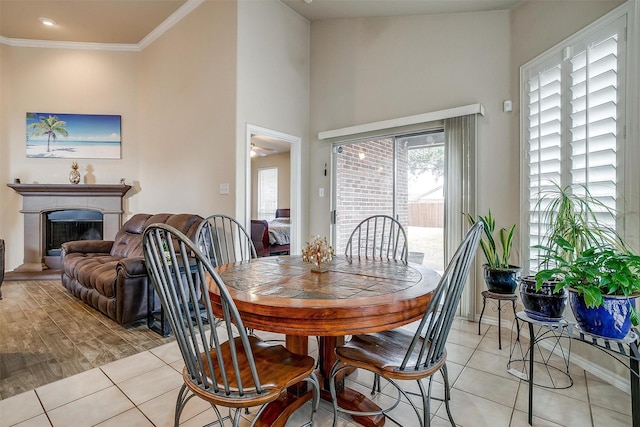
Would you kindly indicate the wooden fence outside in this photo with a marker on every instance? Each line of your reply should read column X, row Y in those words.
column 426, row 214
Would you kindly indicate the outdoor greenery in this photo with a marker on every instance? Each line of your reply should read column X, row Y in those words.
column 427, row 160
column 496, row 257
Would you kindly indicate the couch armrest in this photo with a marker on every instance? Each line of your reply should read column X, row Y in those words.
column 87, row 246
column 132, row 267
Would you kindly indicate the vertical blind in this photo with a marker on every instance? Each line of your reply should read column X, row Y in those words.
column 461, row 135
column 574, row 124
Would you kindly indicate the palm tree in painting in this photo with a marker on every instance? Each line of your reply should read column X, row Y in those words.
column 51, row 127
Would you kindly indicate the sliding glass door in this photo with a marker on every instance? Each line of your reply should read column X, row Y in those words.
column 399, row 176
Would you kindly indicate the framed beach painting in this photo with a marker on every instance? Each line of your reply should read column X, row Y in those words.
column 73, row 136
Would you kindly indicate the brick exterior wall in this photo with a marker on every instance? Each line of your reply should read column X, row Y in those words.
column 365, row 185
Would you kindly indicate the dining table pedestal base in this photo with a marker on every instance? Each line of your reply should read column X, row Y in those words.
column 353, row 400
column 347, row 397
column 277, row 413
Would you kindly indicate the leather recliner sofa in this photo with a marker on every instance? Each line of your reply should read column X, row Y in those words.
column 111, row 276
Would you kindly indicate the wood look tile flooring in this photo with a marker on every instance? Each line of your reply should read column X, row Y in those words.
column 46, row 335
column 133, row 379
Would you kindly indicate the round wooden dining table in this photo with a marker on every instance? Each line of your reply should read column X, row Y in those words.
column 282, row 295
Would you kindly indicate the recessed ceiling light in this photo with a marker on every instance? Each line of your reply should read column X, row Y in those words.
column 47, row 21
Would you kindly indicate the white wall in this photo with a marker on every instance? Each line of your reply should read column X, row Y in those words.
column 62, row 81
column 365, row 70
column 187, row 111
column 273, row 82
column 5, row 193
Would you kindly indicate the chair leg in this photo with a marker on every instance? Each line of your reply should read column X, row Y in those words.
column 315, row 384
column 426, row 403
column 376, row 384
column 447, row 393
column 340, row 366
column 332, row 391
column 180, row 402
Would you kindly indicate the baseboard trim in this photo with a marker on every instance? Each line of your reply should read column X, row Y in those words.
column 31, row 275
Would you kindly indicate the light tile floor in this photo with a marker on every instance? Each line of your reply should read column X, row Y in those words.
column 141, row 390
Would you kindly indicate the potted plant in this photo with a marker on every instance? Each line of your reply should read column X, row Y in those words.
column 574, row 236
column 500, row 276
column 603, row 282
column 568, row 212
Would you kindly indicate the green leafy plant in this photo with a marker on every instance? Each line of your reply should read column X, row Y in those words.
column 571, row 215
column 496, row 258
column 593, row 272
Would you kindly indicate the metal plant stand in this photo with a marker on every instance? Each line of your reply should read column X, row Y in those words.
column 554, row 360
column 625, row 351
column 498, row 298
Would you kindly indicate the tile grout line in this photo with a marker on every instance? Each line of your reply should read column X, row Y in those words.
column 586, row 381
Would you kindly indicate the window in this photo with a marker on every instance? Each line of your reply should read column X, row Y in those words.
column 573, row 124
column 267, row 193
column 401, row 176
column 457, row 136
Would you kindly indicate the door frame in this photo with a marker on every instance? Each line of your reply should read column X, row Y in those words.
column 295, row 165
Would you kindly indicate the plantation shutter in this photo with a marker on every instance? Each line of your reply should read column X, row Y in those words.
column 545, row 144
column 595, row 101
column 574, row 124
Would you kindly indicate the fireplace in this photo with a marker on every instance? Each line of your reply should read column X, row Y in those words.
column 68, row 225
column 48, row 214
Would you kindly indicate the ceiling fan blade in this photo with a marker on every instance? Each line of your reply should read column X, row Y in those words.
column 262, row 151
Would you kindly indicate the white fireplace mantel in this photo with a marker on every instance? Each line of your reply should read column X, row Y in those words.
column 38, row 199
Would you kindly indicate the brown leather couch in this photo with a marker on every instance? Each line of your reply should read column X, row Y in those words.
column 111, row 275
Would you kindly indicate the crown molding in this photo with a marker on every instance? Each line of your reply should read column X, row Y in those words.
column 47, row 44
column 172, row 20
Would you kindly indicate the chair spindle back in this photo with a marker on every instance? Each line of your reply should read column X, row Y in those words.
column 436, row 322
column 378, row 237
column 181, row 275
column 224, row 240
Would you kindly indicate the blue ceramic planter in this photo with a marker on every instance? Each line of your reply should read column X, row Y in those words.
column 610, row 320
column 542, row 305
column 501, row 280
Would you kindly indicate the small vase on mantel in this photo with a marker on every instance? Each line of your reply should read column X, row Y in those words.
column 74, row 175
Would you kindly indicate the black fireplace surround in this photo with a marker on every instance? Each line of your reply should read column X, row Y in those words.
column 68, row 225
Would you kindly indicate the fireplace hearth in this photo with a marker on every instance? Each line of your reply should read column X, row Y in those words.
column 40, row 201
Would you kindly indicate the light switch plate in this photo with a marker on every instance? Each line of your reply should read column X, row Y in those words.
column 224, row 188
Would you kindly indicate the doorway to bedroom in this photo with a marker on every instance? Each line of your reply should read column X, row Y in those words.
column 273, row 191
